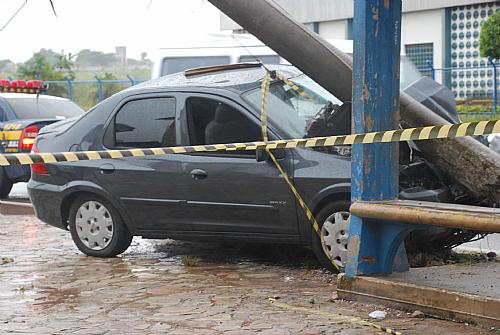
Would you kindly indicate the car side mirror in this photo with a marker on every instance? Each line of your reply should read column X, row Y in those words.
column 261, row 155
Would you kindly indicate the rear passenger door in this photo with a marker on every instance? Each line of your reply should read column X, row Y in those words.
column 148, row 187
column 231, row 192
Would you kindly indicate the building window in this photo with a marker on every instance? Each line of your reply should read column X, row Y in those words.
column 349, row 30
column 419, row 54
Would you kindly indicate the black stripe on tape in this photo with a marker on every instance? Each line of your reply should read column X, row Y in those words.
column 59, row 157
column 415, row 134
column 453, row 131
column 489, row 126
column 321, row 142
column 36, row 158
column 434, row 132
column 378, row 137
column 104, row 154
column 470, row 130
column 396, row 136
column 12, row 159
column 358, row 139
column 81, row 156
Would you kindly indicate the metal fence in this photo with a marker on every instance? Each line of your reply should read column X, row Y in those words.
column 88, row 93
column 475, row 87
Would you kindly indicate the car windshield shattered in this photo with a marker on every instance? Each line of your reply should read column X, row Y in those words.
column 290, row 112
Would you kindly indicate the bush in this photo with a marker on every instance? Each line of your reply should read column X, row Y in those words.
column 489, row 40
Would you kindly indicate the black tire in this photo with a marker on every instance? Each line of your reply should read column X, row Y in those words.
column 324, row 213
column 120, row 236
column 5, row 185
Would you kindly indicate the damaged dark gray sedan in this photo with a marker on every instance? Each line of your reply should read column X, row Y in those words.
column 233, row 196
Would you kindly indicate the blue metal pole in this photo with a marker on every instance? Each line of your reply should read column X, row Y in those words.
column 70, row 88
column 433, row 70
column 132, row 81
column 377, row 30
column 99, row 81
column 495, row 85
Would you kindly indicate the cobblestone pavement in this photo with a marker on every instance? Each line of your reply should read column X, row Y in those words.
column 48, row 287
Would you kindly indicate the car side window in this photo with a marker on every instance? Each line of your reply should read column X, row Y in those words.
column 146, row 123
column 212, row 122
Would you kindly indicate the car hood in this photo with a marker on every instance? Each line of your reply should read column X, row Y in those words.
column 436, row 97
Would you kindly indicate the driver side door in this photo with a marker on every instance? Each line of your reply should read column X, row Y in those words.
column 231, row 191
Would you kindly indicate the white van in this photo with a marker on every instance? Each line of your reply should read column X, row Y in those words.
column 221, row 49
column 215, row 49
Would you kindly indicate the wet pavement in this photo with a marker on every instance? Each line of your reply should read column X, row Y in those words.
column 48, row 287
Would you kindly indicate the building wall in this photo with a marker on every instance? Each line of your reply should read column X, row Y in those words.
column 424, row 28
column 333, row 29
column 476, row 79
column 307, row 11
column 446, row 30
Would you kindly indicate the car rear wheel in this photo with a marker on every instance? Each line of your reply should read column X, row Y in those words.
column 5, row 185
column 96, row 227
column 333, row 220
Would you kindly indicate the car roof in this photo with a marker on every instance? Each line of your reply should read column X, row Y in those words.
column 240, row 79
column 29, row 96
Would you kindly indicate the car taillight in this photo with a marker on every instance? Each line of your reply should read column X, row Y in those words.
column 28, row 138
column 39, row 168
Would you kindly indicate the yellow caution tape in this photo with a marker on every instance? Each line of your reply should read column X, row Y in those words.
column 338, row 318
column 413, row 134
column 310, row 216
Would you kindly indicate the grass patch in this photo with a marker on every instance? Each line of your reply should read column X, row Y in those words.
column 190, row 260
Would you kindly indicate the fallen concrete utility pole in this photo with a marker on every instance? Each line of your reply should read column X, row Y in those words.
column 465, row 161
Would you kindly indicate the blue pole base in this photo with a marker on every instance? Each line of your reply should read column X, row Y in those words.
column 376, row 247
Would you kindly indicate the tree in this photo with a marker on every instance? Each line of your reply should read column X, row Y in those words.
column 489, row 41
column 37, row 67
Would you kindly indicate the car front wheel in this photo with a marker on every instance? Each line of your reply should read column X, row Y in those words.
column 331, row 247
column 96, row 227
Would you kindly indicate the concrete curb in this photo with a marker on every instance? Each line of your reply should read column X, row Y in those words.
column 432, row 301
column 16, row 208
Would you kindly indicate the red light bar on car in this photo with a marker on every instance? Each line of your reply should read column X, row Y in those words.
column 4, row 85
column 35, row 86
column 21, row 86
column 18, row 86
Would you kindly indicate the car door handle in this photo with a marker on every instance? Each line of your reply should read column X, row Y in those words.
column 107, row 169
column 198, row 174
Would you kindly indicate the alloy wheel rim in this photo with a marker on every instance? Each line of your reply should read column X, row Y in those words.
column 335, row 236
column 94, row 225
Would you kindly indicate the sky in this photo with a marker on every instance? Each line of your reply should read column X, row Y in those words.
column 141, row 25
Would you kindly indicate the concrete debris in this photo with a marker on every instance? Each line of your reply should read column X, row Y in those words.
column 418, row 314
column 379, row 315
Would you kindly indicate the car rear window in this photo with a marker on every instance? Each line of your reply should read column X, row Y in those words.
column 146, row 123
column 34, row 108
column 178, row 64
